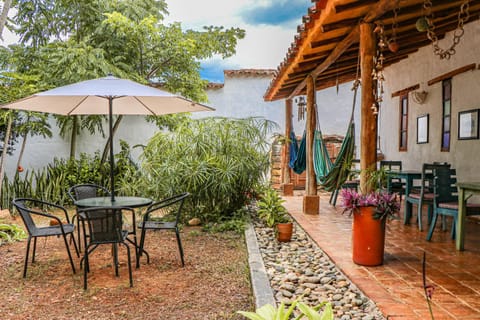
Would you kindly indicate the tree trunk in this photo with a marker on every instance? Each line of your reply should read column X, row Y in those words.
column 4, row 151
column 24, row 142
column 107, row 145
column 4, row 16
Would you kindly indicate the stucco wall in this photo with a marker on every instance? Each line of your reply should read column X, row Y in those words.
column 419, row 68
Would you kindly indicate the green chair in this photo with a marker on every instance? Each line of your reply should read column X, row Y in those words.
column 426, row 195
column 445, row 201
column 396, row 184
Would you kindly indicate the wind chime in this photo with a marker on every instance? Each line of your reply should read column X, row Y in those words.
column 426, row 23
column 302, row 107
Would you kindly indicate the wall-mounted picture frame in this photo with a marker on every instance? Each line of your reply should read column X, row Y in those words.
column 422, row 129
column 468, row 124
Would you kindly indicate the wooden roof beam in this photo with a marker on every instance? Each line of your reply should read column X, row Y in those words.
column 354, row 37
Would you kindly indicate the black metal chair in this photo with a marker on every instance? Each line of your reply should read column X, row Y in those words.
column 30, row 208
column 426, row 194
column 445, row 202
column 84, row 191
column 105, row 226
column 162, row 215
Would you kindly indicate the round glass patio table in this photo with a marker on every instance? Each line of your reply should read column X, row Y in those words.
column 131, row 202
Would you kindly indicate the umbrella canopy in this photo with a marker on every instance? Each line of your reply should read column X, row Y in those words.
column 107, row 96
column 91, row 98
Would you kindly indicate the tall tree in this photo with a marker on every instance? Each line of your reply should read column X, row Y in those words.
column 66, row 41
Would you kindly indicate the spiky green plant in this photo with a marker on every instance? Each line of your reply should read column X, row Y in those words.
column 217, row 160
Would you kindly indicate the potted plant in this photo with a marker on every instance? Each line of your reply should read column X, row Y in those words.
column 369, row 211
column 275, row 215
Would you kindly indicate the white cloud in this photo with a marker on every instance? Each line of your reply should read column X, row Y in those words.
column 264, row 46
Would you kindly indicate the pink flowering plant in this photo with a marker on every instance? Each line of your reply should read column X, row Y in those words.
column 386, row 204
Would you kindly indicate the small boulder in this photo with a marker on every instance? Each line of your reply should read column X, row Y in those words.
column 194, row 222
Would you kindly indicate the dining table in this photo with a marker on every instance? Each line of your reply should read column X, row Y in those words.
column 465, row 191
column 118, row 201
column 409, row 176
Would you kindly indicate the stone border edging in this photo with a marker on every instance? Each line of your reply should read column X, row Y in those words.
column 262, row 290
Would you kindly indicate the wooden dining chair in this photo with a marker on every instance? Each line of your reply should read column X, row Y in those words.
column 426, row 195
column 445, row 201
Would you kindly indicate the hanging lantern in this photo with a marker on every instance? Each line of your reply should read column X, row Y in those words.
column 393, row 46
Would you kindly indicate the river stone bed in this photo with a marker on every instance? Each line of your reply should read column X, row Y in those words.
column 300, row 268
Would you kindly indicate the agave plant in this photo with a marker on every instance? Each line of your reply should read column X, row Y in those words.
column 269, row 312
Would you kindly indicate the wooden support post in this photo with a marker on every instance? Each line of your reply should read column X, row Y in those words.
column 287, row 185
column 368, row 130
column 311, row 201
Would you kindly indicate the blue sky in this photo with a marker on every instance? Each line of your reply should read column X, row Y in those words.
column 270, row 29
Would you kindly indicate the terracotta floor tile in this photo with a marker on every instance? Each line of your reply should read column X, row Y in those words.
column 397, row 286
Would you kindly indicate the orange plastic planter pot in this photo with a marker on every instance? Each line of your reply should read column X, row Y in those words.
column 368, row 237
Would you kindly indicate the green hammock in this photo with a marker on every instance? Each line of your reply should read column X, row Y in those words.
column 332, row 175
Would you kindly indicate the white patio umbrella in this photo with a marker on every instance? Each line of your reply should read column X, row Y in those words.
column 109, row 95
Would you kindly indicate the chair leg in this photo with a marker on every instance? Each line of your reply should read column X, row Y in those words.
column 331, row 197
column 419, row 215
column 78, row 233
column 86, row 269
column 72, row 239
column 34, row 249
column 115, row 258
column 454, row 227
column 26, row 257
column 429, row 214
column 140, row 249
column 335, row 196
column 129, row 264
column 432, row 226
column 180, row 248
column 69, row 253
column 407, row 215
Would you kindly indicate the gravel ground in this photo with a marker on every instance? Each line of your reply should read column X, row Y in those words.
column 300, row 269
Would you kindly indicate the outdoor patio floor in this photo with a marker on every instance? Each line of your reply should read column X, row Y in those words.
column 397, row 285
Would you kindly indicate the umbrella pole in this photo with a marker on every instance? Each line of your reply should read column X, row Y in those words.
column 112, row 160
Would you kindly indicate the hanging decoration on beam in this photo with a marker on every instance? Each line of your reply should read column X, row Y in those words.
column 426, row 23
column 393, row 44
column 302, row 107
column 377, row 71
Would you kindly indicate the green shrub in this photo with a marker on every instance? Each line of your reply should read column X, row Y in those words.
column 52, row 182
column 218, row 160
